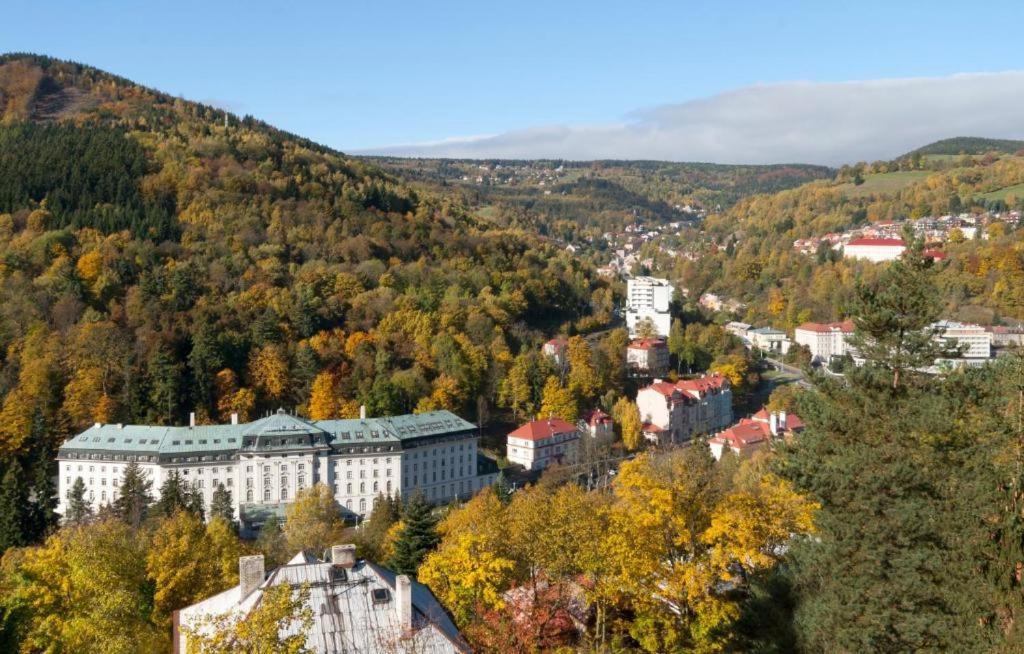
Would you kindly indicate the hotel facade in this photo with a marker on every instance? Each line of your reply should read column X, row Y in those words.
column 264, row 463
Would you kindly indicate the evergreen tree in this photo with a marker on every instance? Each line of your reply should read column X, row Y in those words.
column 176, row 494
column 12, row 507
column 901, row 535
column 134, row 496
column 417, row 538
column 386, row 512
column 79, row 509
column 502, row 488
column 221, row 505
column 42, row 505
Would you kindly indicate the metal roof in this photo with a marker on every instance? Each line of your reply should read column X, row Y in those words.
column 271, row 432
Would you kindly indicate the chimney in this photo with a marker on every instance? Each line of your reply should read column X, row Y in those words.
column 343, row 555
column 782, row 421
column 362, row 412
column 234, row 418
column 97, row 425
column 403, row 603
column 250, row 574
column 773, row 423
column 191, row 419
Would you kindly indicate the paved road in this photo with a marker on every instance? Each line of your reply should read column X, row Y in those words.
column 790, row 370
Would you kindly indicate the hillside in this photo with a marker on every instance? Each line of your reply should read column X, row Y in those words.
column 968, row 145
column 159, row 256
column 583, row 198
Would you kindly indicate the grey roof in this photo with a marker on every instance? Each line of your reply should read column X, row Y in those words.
column 766, row 330
column 277, row 431
column 347, row 617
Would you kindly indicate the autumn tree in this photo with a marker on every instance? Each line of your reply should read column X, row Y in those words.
column 313, row 520
column 278, row 623
column 557, row 401
column 627, row 418
column 323, row 401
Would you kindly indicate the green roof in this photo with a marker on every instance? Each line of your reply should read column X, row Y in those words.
column 271, row 432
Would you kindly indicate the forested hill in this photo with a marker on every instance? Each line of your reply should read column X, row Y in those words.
column 159, row 256
column 969, row 145
column 574, row 200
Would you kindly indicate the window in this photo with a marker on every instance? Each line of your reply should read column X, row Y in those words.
column 362, row 487
column 266, row 494
column 348, row 504
column 375, row 471
column 301, row 467
column 284, row 492
column 362, row 505
column 103, row 496
column 389, row 487
column 348, row 489
column 248, row 495
column 348, row 475
column 230, row 482
column 375, row 487
column 248, row 482
column 388, row 473
column 302, row 481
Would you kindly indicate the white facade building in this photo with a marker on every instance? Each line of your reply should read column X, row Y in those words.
column 825, row 340
column 539, row 443
column 975, row 340
column 648, row 298
column 874, row 249
column 648, row 356
column 266, row 462
column 768, row 339
column 676, row 412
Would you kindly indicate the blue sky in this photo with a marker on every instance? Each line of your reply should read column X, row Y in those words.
column 361, row 75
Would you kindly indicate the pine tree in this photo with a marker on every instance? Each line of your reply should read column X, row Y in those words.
column 134, row 497
column 418, row 536
column 12, row 507
column 221, row 505
column 79, row 509
column 175, row 494
column 271, row 542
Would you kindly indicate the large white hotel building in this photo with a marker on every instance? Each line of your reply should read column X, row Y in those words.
column 264, row 463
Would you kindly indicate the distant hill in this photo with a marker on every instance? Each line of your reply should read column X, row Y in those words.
column 969, row 145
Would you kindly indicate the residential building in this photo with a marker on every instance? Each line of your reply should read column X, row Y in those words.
column 598, row 425
column 539, row 443
column 676, row 412
column 768, row 339
column 753, row 434
column 555, row 350
column 648, row 356
column 874, row 249
column 825, row 340
column 357, row 607
column 266, row 462
column 648, row 298
column 1006, row 336
column 974, row 341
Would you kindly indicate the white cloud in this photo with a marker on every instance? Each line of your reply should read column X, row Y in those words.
column 808, row 122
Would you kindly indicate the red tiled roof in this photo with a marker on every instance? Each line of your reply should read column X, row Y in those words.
column 650, row 427
column 879, row 242
column 541, row 429
column 557, row 342
column 704, row 384
column 595, row 416
column 665, row 388
column 934, row 254
column 746, row 433
column 845, row 326
column 646, row 343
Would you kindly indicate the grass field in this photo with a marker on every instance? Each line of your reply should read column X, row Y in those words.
column 1000, row 194
column 884, row 183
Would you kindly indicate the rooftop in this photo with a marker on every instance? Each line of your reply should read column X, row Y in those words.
column 276, row 431
column 846, row 327
column 877, row 242
column 540, row 429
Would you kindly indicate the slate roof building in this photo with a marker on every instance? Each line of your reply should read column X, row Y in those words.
column 358, row 607
column 264, row 463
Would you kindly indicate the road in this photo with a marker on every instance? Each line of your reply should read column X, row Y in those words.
column 790, row 370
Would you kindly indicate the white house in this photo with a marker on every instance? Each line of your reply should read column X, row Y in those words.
column 769, row 339
column 539, row 443
column 358, row 607
column 648, row 356
column 266, row 462
column 824, row 340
